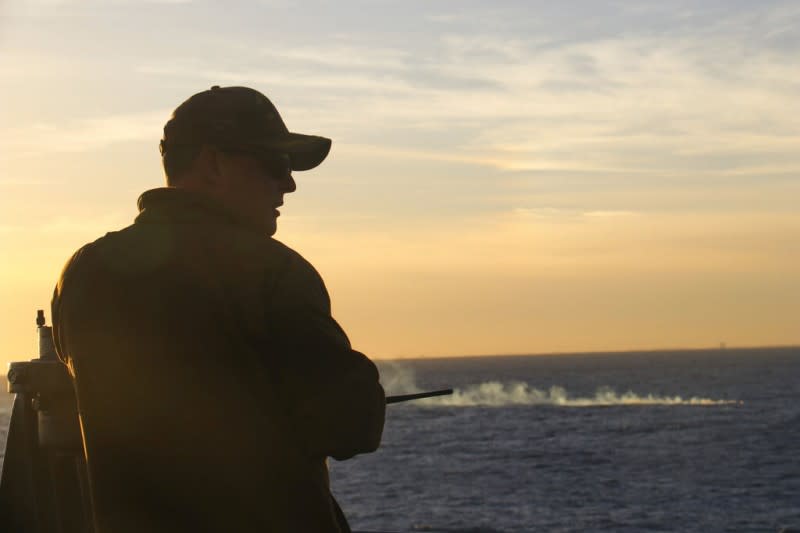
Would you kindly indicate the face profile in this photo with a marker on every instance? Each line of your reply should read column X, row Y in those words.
column 254, row 185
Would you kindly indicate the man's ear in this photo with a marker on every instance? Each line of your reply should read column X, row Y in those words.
column 208, row 160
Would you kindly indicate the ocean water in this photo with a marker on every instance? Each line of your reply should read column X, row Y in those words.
column 705, row 441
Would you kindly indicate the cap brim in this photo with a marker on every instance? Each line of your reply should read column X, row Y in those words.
column 305, row 151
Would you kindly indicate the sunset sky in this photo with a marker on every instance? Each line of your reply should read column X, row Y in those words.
column 506, row 177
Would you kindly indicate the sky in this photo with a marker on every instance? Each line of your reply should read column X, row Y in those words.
column 506, row 177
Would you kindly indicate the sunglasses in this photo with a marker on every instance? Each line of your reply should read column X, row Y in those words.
column 276, row 166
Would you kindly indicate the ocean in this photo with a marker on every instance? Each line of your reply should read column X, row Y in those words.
column 705, row 441
column 684, row 441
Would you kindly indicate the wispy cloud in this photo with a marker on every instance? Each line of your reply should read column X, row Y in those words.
column 82, row 135
column 698, row 91
column 62, row 225
column 83, row 225
column 343, row 55
column 710, row 99
column 555, row 212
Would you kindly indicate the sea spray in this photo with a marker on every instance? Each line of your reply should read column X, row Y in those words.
column 497, row 394
column 399, row 379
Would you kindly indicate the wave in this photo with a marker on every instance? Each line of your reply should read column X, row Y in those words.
column 399, row 379
column 497, row 394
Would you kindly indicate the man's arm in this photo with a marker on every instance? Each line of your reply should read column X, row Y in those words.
column 334, row 398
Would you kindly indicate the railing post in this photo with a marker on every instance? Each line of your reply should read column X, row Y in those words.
column 44, row 481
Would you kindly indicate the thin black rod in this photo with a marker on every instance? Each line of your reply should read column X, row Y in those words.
column 417, row 396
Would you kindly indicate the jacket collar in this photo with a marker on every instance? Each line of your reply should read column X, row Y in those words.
column 173, row 204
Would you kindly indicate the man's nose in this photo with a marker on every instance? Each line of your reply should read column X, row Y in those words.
column 289, row 184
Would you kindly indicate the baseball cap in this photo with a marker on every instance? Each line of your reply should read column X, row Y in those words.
column 240, row 119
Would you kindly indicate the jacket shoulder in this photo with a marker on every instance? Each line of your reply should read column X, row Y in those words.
column 293, row 259
column 298, row 283
column 86, row 253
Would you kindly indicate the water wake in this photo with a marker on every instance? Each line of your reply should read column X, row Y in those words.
column 497, row 394
column 399, row 379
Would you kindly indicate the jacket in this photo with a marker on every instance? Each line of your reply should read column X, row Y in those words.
column 212, row 381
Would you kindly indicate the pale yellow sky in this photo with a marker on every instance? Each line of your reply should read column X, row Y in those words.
column 590, row 176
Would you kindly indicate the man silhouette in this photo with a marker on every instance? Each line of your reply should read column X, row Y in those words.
column 211, row 379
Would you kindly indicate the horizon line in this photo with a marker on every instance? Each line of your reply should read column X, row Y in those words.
column 631, row 351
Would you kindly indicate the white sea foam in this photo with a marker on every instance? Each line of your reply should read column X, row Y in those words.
column 399, row 379
column 496, row 394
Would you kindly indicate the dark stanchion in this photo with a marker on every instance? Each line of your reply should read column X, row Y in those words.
column 44, row 482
